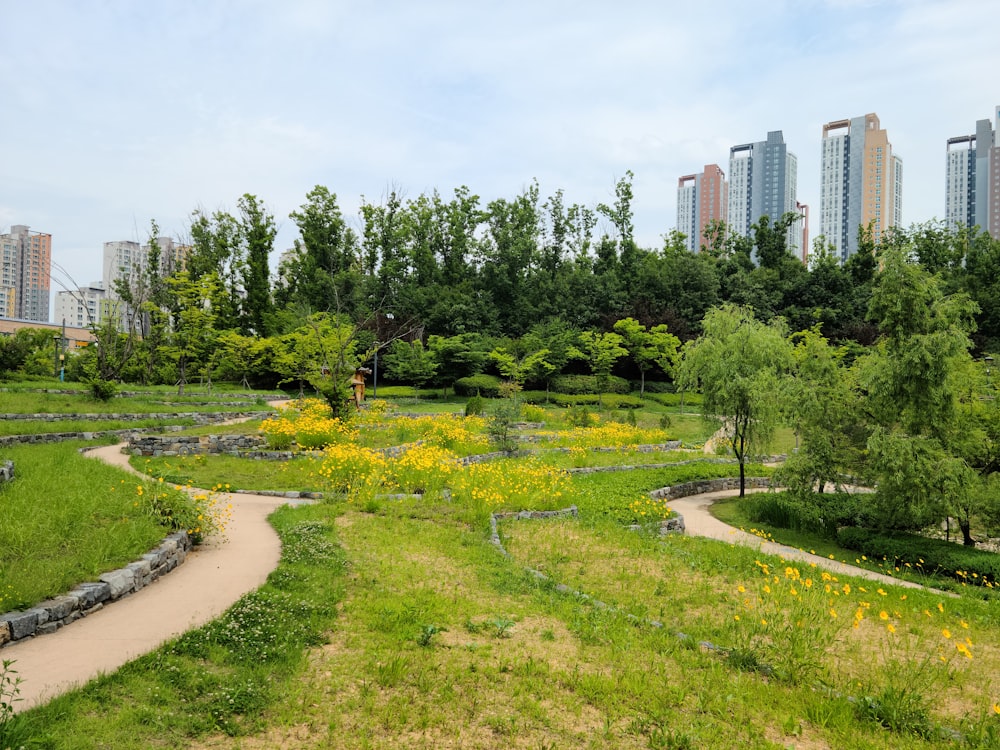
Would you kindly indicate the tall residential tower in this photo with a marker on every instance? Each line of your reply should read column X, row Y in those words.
column 701, row 198
column 762, row 182
column 972, row 187
column 25, row 269
column 861, row 182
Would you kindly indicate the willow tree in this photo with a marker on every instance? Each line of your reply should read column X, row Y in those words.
column 737, row 364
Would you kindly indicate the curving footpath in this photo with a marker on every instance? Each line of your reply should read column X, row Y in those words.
column 699, row 522
column 212, row 578
column 219, row 572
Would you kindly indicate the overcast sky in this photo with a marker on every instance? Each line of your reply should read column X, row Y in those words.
column 114, row 113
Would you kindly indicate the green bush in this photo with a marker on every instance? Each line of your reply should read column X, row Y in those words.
column 484, row 385
column 474, row 406
column 674, row 399
column 531, row 413
column 587, row 384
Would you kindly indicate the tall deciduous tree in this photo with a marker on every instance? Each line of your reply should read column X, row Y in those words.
column 737, row 364
column 913, row 383
column 324, row 273
column 257, row 230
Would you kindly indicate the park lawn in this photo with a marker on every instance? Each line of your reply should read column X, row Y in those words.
column 410, row 629
column 67, row 519
column 232, row 473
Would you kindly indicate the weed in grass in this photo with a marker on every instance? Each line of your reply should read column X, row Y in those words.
column 500, row 627
column 390, row 673
column 427, row 633
column 10, row 682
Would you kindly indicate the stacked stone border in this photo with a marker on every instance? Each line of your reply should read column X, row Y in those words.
column 124, row 434
column 87, row 598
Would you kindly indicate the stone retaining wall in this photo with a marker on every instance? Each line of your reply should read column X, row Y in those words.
column 188, row 445
column 702, row 486
column 87, row 598
column 197, row 417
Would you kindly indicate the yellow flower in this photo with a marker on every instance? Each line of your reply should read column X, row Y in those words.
column 833, row 613
column 946, row 633
column 996, row 708
column 883, row 615
column 891, row 628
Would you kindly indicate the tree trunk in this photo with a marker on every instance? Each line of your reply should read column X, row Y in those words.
column 967, row 539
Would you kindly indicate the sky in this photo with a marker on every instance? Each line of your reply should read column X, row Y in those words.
column 116, row 113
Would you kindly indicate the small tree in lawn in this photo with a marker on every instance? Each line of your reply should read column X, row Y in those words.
column 534, row 366
column 737, row 364
column 193, row 323
column 648, row 348
column 601, row 350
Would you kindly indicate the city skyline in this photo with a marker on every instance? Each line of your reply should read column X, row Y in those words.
column 131, row 113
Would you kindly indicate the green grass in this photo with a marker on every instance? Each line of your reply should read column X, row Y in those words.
column 66, row 519
column 14, row 402
column 238, row 473
column 396, row 623
column 335, row 651
column 33, row 427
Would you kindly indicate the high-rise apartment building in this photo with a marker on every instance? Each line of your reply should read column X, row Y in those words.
column 81, row 308
column 127, row 262
column 972, row 181
column 861, row 182
column 763, row 182
column 701, row 198
column 25, row 269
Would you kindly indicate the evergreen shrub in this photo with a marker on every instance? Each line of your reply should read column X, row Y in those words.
column 487, row 386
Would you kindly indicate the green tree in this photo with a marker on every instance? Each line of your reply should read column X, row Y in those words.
column 737, row 364
column 601, row 351
column 821, row 402
column 257, row 231
column 647, row 348
column 913, row 379
column 410, row 362
column 193, row 330
column 457, row 356
column 324, row 272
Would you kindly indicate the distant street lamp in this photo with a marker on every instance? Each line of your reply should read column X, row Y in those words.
column 55, row 357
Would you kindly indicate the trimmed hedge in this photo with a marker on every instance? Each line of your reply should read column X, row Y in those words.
column 966, row 564
column 609, row 400
column 579, row 385
column 487, row 386
column 674, row 399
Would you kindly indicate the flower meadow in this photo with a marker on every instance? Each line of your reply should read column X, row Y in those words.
column 805, row 626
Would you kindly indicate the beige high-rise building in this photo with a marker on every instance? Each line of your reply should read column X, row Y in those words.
column 25, row 270
column 861, row 182
column 701, row 198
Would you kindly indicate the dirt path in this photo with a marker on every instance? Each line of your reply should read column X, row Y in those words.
column 214, row 576
column 699, row 522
